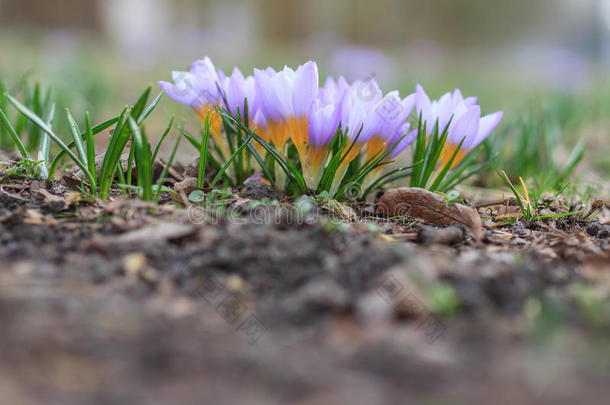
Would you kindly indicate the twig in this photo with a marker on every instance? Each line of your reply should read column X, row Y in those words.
column 16, row 197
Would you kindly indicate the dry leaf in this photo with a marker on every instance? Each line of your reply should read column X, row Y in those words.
column 430, row 208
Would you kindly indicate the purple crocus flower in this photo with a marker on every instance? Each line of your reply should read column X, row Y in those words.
column 333, row 91
column 404, row 136
column 466, row 121
column 322, row 126
column 357, row 111
column 286, row 99
column 199, row 89
column 237, row 90
column 388, row 121
column 196, row 88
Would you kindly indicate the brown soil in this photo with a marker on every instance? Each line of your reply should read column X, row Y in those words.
column 127, row 302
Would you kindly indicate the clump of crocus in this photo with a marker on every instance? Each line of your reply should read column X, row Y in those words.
column 461, row 117
column 329, row 138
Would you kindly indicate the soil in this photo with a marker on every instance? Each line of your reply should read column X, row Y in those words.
column 128, row 302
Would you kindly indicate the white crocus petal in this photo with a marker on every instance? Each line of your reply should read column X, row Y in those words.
column 305, row 90
column 283, row 88
column 183, row 90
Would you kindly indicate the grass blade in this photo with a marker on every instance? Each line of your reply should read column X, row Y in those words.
column 38, row 121
column 143, row 161
column 62, row 153
column 118, row 141
column 203, row 151
column 13, row 134
column 229, row 162
column 90, row 144
column 518, row 197
column 78, row 141
column 158, row 147
column 45, row 143
column 166, row 169
column 138, row 107
column 142, row 117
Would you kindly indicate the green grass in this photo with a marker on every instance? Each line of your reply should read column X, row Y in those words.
column 531, row 207
column 128, row 125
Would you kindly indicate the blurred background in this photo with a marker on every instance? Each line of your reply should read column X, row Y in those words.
column 518, row 56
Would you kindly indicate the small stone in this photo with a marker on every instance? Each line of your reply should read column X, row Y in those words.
column 593, row 229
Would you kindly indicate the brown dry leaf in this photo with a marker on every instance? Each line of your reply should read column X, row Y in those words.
column 430, row 208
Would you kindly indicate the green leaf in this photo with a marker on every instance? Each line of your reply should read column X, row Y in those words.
column 143, row 160
column 229, row 162
column 149, row 109
column 38, row 121
column 90, row 144
column 62, row 153
column 158, row 147
column 203, row 151
column 78, row 141
column 117, row 144
column 45, row 143
column 138, row 107
column 13, row 134
column 166, row 169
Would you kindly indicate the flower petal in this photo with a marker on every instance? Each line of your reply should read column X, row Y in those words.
column 305, row 90
column 467, row 126
column 486, row 127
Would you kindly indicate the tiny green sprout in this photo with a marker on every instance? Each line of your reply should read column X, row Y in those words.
column 196, row 196
column 451, row 197
column 25, row 169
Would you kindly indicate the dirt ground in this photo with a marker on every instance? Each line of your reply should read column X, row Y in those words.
column 125, row 302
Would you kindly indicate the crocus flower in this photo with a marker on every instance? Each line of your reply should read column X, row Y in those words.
column 358, row 114
column 403, row 137
column 237, row 90
column 266, row 83
column 199, row 89
column 333, row 91
column 286, row 98
column 388, row 123
column 323, row 123
column 466, row 124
